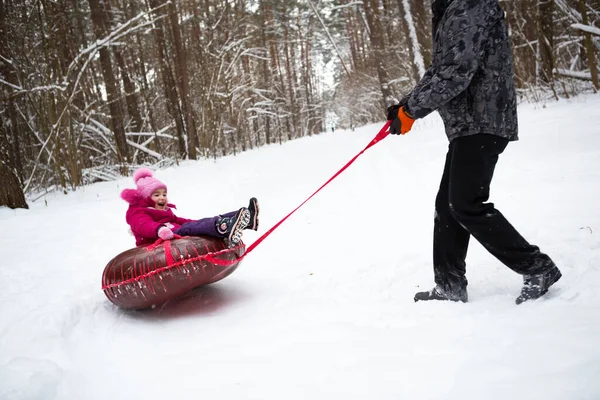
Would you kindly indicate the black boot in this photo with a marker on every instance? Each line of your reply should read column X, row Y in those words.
column 437, row 293
column 535, row 286
column 231, row 227
column 253, row 208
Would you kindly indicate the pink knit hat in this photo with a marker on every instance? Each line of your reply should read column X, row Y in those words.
column 146, row 184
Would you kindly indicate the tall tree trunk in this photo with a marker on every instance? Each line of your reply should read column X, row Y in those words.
column 183, row 82
column 417, row 58
column 11, row 191
column 407, row 41
column 351, row 35
column 149, row 114
column 377, row 47
column 55, row 104
column 546, row 40
column 524, row 33
column 265, row 19
column 422, row 19
column 113, row 93
column 313, row 124
column 130, row 95
column 203, row 81
column 589, row 46
column 290, row 83
column 167, row 78
column 140, row 102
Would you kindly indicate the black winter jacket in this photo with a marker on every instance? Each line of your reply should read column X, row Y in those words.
column 470, row 81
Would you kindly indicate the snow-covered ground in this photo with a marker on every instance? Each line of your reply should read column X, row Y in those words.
column 323, row 308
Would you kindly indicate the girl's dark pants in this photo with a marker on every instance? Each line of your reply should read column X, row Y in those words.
column 461, row 211
column 202, row 227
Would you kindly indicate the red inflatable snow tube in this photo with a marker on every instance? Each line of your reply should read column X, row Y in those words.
column 146, row 277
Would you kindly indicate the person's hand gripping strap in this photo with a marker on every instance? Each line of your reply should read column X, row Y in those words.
column 402, row 121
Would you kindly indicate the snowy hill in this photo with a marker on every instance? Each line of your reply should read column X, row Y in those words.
column 323, row 308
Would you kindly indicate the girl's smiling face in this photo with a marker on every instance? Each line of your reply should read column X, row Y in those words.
column 160, row 199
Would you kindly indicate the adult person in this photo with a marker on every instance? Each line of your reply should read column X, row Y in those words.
column 471, row 84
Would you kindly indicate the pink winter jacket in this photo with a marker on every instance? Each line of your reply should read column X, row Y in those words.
column 145, row 220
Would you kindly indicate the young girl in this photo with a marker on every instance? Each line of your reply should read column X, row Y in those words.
column 150, row 215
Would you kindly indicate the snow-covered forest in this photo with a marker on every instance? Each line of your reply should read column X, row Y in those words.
column 323, row 308
column 93, row 88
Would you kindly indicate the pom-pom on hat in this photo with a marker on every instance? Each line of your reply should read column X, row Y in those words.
column 146, row 183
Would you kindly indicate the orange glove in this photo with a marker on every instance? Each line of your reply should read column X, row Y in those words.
column 401, row 123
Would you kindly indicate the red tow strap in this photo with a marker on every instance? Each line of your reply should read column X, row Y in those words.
column 210, row 256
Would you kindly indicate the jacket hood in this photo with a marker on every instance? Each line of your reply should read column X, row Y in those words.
column 439, row 7
column 135, row 199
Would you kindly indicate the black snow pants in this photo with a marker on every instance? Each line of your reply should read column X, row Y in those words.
column 461, row 210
